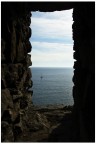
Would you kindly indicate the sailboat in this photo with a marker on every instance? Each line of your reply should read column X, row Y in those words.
column 41, row 77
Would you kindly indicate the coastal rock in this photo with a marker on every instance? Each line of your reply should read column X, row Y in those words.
column 39, row 122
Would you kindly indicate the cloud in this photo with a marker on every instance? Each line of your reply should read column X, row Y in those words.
column 51, row 60
column 52, row 38
column 52, row 54
column 52, row 47
column 52, row 24
column 51, row 28
column 64, row 14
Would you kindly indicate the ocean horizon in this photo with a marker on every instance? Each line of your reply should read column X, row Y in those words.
column 52, row 86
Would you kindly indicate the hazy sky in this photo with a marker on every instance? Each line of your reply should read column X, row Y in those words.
column 52, row 44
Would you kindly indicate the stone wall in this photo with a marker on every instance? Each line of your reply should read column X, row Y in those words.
column 84, row 71
column 15, row 74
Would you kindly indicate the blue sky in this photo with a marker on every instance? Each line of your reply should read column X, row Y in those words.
column 52, row 44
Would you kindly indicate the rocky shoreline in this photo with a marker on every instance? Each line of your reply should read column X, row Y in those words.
column 54, row 106
column 50, row 123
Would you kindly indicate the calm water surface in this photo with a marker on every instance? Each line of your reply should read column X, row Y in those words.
column 55, row 86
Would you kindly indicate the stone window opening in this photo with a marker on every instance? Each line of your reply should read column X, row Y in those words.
column 20, row 122
column 35, row 41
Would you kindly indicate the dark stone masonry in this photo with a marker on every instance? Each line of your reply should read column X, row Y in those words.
column 17, row 112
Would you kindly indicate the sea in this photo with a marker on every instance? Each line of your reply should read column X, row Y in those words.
column 52, row 86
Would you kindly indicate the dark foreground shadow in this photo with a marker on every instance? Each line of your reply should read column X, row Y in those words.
column 64, row 132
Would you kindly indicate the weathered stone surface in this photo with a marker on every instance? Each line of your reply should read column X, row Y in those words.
column 39, row 122
column 23, row 103
column 28, row 46
column 17, row 129
column 29, row 74
column 7, row 132
column 20, row 51
column 11, row 79
column 28, row 97
column 15, row 74
column 21, row 83
column 28, row 84
column 28, row 60
column 13, row 41
column 3, row 83
column 27, row 31
column 6, row 99
column 2, row 50
column 18, row 96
